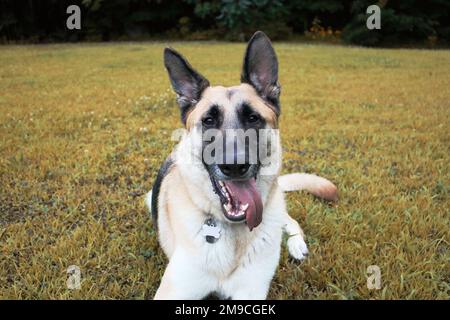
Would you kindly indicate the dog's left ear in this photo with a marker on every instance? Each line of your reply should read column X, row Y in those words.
column 260, row 69
column 187, row 83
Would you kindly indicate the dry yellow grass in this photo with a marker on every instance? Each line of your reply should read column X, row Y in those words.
column 74, row 164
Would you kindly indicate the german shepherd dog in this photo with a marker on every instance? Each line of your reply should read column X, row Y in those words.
column 220, row 222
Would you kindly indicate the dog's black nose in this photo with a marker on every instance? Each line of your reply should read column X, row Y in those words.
column 234, row 170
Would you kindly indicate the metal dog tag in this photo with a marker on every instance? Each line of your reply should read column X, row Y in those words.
column 211, row 231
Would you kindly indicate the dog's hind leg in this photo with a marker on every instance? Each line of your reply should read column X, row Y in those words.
column 316, row 185
column 296, row 244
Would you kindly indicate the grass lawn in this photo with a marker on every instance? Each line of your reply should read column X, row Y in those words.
column 84, row 129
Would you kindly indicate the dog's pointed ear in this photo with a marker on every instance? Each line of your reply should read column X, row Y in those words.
column 260, row 69
column 187, row 83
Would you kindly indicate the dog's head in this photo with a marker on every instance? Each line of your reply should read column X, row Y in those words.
column 231, row 119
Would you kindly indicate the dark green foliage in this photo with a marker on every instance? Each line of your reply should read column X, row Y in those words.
column 240, row 19
column 246, row 16
column 45, row 20
column 34, row 20
column 402, row 21
column 132, row 18
column 303, row 12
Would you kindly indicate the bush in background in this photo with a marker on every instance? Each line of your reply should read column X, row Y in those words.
column 403, row 22
column 406, row 21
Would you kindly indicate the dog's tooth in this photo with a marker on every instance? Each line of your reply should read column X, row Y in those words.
column 244, row 207
column 228, row 207
column 240, row 212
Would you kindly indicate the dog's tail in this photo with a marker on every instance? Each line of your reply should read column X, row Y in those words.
column 320, row 187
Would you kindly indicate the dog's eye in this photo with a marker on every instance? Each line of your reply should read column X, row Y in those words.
column 253, row 118
column 209, row 121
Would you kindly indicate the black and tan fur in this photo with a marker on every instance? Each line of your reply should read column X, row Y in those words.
column 241, row 264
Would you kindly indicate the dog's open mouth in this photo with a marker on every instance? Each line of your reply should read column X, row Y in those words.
column 240, row 201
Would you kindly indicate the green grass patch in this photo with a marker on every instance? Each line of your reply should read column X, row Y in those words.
column 75, row 162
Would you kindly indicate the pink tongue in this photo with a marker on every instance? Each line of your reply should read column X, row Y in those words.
column 243, row 192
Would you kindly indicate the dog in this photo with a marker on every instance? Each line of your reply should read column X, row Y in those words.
column 220, row 223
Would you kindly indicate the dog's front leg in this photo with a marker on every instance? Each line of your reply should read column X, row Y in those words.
column 251, row 281
column 252, row 289
column 296, row 244
column 183, row 279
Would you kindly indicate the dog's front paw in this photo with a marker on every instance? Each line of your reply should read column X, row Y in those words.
column 297, row 247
